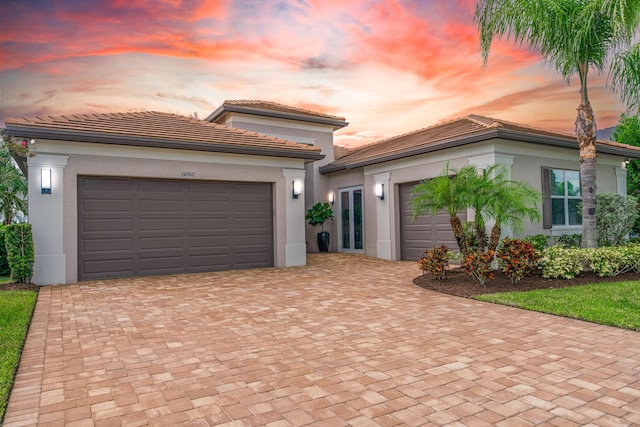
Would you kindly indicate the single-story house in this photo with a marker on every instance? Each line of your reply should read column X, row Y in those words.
column 147, row 193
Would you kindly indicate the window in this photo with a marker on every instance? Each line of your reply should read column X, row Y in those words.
column 562, row 197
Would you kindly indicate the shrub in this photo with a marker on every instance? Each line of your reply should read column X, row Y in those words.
column 471, row 234
column 435, row 261
column 19, row 242
column 616, row 216
column 538, row 241
column 561, row 262
column 518, row 258
column 611, row 261
column 478, row 265
column 569, row 240
column 4, row 264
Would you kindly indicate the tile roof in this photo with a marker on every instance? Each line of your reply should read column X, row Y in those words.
column 274, row 109
column 151, row 128
column 457, row 132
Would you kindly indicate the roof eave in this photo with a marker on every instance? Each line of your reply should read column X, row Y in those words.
column 132, row 140
column 478, row 137
column 223, row 109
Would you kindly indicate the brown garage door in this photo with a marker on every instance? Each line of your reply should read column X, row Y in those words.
column 141, row 227
column 426, row 231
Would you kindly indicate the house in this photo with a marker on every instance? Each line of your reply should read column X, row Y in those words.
column 116, row 195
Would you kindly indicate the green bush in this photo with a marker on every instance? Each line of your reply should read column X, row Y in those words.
column 538, row 241
column 616, row 216
column 19, row 243
column 4, row 264
column 569, row 240
column 517, row 258
column 611, row 261
column 561, row 262
column 435, row 261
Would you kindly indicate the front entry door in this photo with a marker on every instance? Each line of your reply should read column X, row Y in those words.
column 351, row 230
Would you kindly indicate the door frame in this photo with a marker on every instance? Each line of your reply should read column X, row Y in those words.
column 350, row 191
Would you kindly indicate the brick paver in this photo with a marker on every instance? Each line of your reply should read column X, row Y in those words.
column 345, row 341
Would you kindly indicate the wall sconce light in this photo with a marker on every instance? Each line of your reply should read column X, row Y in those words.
column 332, row 198
column 45, row 183
column 379, row 190
column 297, row 188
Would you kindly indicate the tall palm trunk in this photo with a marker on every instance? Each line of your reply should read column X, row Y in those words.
column 458, row 232
column 496, row 230
column 586, row 134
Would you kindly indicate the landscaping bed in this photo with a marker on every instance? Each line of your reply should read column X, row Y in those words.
column 457, row 282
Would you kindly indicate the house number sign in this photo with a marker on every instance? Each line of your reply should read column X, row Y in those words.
column 187, row 173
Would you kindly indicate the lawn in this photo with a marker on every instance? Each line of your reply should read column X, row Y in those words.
column 16, row 308
column 5, row 279
column 610, row 303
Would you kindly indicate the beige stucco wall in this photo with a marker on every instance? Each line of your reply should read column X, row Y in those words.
column 112, row 160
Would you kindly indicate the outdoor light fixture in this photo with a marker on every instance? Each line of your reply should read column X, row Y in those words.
column 332, row 198
column 297, row 188
column 45, row 183
column 379, row 190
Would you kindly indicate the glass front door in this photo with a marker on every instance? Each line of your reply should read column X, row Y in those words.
column 351, row 230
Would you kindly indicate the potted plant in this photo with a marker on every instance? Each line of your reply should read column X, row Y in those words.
column 317, row 215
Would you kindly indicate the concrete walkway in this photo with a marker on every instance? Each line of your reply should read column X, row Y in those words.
column 347, row 340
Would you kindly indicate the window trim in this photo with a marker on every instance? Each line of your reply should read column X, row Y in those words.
column 547, row 214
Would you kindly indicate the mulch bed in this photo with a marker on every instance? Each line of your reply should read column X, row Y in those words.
column 457, row 282
column 19, row 287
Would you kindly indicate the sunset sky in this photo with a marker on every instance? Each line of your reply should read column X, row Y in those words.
column 388, row 67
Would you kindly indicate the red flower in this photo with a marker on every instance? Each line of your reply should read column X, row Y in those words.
column 24, row 143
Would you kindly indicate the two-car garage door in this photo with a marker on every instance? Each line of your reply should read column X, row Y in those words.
column 138, row 227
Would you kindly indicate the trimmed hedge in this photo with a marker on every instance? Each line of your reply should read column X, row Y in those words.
column 567, row 263
column 4, row 263
column 19, row 244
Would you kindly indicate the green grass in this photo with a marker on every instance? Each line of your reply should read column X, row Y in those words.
column 5, row 279
column 16, row 308
column 612, row 303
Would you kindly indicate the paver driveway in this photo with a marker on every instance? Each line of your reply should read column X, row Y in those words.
column 347, row 340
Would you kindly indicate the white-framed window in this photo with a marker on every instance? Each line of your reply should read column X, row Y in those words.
column 562, row 194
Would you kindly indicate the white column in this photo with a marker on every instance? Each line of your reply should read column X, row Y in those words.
column 295, row 243
column 621, row 181
column 383, row 211
column 46, row 218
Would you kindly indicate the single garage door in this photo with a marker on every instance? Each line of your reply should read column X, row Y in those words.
column 426, row 231
column 142, row 227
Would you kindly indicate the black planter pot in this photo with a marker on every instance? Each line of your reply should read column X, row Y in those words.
column 323, row 241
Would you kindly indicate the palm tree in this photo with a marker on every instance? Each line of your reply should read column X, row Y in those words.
column 574, row 36
column 449, row 191
column 13, row 188
column 489, row 192
column 510, row 202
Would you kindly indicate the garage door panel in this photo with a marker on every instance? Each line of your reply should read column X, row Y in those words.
column 107, row 245
column 109, row 268
column 114, row 185
column 162, row 205
column 426, row 231
column 107, row 224
column 160, row 224
column 107, row 205
column 132, row 227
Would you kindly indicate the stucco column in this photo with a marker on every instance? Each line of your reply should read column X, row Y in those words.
column 621, row 181
column 295, row 243
column 46, row 218
column 383, row 211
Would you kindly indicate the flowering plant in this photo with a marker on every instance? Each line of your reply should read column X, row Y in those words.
column 18, row 148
